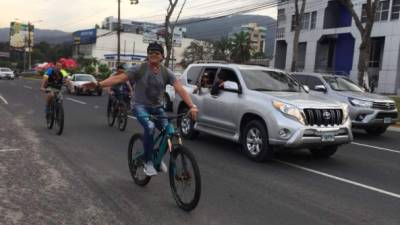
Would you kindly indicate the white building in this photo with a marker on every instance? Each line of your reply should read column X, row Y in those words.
column 102, row 45
column 329, row 41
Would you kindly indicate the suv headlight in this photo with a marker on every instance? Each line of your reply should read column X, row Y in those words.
column 360, row 103
column 289, row 110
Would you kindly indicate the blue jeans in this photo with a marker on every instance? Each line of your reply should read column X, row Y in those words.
column 142, row 114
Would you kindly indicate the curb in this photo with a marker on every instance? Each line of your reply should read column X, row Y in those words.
column 393, row 128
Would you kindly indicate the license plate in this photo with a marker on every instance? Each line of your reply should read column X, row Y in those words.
column 387, row 120
column 327, row 137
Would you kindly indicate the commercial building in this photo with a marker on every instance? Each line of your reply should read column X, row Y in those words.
column 256, row 36
column 102, row 45
column 329, row 41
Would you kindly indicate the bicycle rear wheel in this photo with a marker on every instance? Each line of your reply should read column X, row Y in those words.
column 59, row 118
column 136, row 160
column 184, row 178
column 110, row 113
column 122, row 117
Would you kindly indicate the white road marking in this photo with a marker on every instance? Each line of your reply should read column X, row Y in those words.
column 341, row 179
column 376, row 147
column 74, row 100
column 4, row 100
column 27, row 87
column 132, row 117
column 9, row 149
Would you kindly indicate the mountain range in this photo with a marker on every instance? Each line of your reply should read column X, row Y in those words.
column 201, row 29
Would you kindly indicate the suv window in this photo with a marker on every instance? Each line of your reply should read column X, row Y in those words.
column 313, row 81
column 301, row 78
column 193, row 74
column 264, row 80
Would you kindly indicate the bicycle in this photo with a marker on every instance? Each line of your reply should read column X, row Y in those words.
column 55, row 114
column 183, row 169
column 117, row 109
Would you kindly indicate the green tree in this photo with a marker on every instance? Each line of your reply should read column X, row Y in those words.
column 104, row 71
column 222, row 49
column 240, row 47
column 90, row 69
column 197, row 51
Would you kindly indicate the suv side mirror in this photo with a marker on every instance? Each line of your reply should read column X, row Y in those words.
column 231, row 86
column 306, row 88
column 320, row 88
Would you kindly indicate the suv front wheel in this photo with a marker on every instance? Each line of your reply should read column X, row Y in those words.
column 255, row 142
column 186, row 125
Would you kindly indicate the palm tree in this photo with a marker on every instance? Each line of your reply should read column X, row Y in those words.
column 222, row 49
column 241, row 47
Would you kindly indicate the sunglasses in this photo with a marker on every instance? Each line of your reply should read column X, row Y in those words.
column 154, row 53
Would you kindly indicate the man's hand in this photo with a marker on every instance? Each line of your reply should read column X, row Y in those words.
column 91, row 85
column 193, row 111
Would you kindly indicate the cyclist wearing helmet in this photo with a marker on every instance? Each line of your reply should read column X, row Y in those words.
column 150, row 79
column 54, row 78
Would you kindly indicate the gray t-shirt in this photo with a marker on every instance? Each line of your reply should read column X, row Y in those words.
column 149, row 89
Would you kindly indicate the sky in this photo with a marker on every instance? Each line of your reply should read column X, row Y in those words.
column 72, row 15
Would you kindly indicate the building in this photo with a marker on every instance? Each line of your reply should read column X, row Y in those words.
column 256, row 35
column 110, row 23
column 102, row 45
column 329, row 41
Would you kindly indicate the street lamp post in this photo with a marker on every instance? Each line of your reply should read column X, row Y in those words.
column 133, row 2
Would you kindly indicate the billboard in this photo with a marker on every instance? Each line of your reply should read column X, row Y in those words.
column 83, row 37
column 156, row 34
column 21, row 35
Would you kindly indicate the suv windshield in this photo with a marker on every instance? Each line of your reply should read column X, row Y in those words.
column 5, row 70
column 263, row 80
column 342, row 84
column 84, row 78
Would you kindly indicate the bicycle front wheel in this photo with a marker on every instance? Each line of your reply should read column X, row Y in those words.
column 50, row 117
column 110, row 114
column 136, row 160
column 59, row 119
column 184, row 178
column 122, row 117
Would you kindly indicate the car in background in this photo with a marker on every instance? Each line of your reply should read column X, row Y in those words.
column 6, row 73
column 77, row 85
column 264, row 109
column 169, row 94
column 372, row 112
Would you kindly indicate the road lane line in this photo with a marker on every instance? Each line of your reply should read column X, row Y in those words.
column 9, row 149
column 132, row 117
column 27, row 87
column 4, row 100
column 341, row 179
column 74, row 100
column 376, row 147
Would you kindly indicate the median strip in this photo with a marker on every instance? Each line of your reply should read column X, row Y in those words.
column 341, row 179
column 77, row 101
column 375, row 147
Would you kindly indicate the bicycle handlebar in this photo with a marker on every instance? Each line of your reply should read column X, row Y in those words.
column 180, row 115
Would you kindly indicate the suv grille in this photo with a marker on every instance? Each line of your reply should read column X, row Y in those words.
column 323, row 117
column 384, row 105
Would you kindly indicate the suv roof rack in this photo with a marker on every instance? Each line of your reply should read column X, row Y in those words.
column 210, row 61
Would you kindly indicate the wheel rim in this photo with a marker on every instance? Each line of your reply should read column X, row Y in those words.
column 254, row 141
column 185, row 125
column 185, row 184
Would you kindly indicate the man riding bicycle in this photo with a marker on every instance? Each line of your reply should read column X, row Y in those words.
column 150, row 79
column 122, row 91
column 54, row 78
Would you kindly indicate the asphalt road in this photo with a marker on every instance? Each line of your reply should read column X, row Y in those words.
column 82, row 176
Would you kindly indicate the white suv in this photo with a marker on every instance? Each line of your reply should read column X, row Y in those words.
column 263, row 109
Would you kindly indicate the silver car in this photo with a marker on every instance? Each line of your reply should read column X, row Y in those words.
column 6, row 73
column 371, row 112
column 263, row 109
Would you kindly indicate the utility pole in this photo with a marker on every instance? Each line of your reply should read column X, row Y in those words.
column 119, row 33
column 29, row 46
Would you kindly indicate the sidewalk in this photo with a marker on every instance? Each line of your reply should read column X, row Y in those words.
column 38, row 187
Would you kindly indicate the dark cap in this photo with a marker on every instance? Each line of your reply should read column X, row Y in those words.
column 154, row 46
